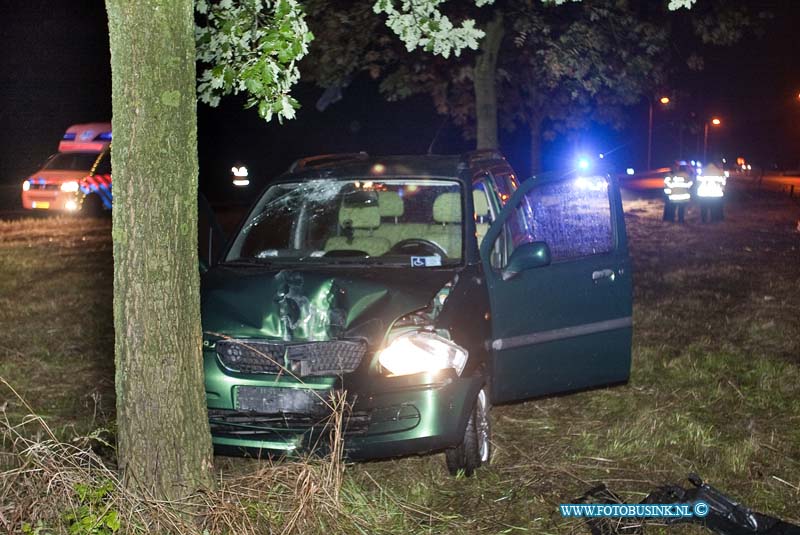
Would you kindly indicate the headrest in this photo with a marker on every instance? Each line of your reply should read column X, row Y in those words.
column 390, row 204
column 480, row 202
column 363, row 217
column 447, row 208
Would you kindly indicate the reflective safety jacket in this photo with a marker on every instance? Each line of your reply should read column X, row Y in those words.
column 711, row 184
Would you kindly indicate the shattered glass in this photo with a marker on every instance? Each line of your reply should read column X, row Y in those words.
column 335, row 221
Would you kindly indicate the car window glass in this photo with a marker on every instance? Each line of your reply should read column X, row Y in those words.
column 403, row 221
column 104, row 164
column 484, row 216
column 505, row 183
column 572, row 217
column 71, row 161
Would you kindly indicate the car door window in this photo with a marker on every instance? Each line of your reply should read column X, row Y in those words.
column 572, row 217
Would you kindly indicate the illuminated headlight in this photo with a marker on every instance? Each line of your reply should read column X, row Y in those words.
column 70, row 186
column 419, row 352
column 71, row 205
column 26, row 185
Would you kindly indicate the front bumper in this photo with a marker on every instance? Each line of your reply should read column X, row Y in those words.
column 385, row 417
column 50, row 199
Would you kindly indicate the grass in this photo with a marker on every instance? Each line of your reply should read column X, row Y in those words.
column 715, row 385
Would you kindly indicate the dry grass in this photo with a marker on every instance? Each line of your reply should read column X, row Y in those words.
column 67, row 487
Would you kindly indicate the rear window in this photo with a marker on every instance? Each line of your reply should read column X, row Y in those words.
column 71, row 161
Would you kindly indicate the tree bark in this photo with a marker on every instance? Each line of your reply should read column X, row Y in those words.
column 163, row 441
column 484, row 81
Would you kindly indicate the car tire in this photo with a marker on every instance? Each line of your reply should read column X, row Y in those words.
column 476, row 446
column 92, row 206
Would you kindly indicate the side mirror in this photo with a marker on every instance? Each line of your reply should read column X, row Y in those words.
column 527, row 256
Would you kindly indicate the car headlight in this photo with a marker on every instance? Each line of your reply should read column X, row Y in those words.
column 70, row 186
column 26, row 185
column 419, row 352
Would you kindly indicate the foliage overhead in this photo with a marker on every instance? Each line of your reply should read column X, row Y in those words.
column 254, row 46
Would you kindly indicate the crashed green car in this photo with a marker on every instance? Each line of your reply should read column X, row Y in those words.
column 424, row 288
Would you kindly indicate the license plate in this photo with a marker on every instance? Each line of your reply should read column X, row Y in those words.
column 270, row 400
column 43, row 205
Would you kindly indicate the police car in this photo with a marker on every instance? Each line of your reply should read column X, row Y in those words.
column 78, row 177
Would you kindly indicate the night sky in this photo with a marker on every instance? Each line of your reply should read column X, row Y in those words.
column 55, row 72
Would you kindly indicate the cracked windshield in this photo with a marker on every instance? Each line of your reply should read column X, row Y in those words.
column 402, row 221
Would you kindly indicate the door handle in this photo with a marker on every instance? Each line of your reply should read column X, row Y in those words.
column 602, row 274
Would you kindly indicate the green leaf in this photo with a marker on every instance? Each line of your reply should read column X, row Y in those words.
column 112, row 521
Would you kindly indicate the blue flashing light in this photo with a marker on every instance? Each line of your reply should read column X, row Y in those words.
column 69, row 136
column 104, row 136
column 584, row 163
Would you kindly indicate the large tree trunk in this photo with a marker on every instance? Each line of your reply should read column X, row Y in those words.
column 484, row 80
column 164, row 443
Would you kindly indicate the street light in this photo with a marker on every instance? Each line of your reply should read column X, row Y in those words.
column 664, row 101
column 716, row 122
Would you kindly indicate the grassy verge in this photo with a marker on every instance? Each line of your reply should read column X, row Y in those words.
column 715, row 386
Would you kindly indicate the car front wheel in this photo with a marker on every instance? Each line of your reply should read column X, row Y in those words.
column 476, row 446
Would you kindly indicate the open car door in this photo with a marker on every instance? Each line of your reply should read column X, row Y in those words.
column 559, row 281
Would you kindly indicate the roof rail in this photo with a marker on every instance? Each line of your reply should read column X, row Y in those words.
column 484, row 154
column 322, row 159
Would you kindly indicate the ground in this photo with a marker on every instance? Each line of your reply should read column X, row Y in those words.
column 715, row 384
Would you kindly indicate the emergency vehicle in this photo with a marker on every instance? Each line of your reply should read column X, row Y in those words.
column 78, row 177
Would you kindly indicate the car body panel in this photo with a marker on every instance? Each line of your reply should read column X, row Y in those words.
column 563, row 326
column 307, row 304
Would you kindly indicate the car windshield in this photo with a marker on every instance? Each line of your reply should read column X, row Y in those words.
column 396, row 221
column 71, row 161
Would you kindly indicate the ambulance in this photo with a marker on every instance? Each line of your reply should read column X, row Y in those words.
column 78, row 177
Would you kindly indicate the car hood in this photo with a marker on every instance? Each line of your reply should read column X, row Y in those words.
column 318, row 304
column 57, row 176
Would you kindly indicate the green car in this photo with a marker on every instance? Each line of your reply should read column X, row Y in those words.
column 423, row 289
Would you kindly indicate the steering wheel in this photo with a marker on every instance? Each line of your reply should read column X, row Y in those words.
column 417, row 247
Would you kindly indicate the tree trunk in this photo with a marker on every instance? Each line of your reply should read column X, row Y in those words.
column 484, row 80
column 163, row 441
column 535, row 129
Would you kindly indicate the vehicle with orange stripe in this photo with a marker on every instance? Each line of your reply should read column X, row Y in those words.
column 78, row 177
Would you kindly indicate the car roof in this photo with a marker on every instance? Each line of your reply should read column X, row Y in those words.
column 364, row 165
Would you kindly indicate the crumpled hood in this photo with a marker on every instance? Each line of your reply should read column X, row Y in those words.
column 314, row 304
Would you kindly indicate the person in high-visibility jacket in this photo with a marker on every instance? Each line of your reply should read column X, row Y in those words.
column 710, row 193
column 677, row 190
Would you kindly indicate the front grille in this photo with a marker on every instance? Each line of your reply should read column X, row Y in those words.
column 254, row 426
column 45, row 186
column 335, row 357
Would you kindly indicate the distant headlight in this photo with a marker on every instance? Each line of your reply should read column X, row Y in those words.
column 26, row 185
column 70, row 186
column 419, row 352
